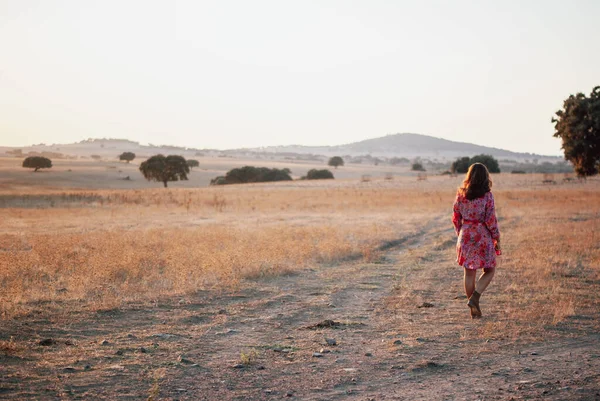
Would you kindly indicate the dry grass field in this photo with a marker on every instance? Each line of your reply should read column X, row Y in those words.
column 228, row 293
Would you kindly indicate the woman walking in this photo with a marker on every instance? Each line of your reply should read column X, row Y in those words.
column 474, row 220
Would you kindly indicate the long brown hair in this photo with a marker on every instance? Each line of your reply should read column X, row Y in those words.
column 477, row 182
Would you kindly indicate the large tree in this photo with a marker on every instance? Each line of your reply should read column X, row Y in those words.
column 164, row 169
column 127, row 156
column 578, row 125
column 37, row 162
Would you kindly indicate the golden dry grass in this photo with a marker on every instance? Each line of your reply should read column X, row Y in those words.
column 98, row 249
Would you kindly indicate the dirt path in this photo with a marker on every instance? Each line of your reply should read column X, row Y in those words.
column 400, row 326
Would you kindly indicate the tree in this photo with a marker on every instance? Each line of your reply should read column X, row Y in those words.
column 336, row 161
column 490, row 162
column 96, row 157
column 164, row 169
column 193, row 163
column 127, row 156
column 460, row 165
column 417, row 167
column 578, row 125
column 315, row 174
column 37, row 162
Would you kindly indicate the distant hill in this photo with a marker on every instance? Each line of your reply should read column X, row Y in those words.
column 404, row 145
column 397, row 145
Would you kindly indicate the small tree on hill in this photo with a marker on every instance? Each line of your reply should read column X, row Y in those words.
column 417, row 166
column 336, row 161
column 315, row 174
column 37, row 162
column 578, row 125
column 164, row 169
column 193, row 163
column 127, row 156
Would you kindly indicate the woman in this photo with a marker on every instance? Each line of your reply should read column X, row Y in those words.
column 478, row 242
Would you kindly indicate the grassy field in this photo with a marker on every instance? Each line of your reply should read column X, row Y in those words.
column 79, row 252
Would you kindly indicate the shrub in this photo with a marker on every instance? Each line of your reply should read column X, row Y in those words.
column 248, row 174
column 37, row 162
column 417, row 167
column 336, row 161
column 462, row 164
column 315, row 174
column 490, row 162
column 193, row 163
column 517, row 172
column 220, row 180
column 127, row 156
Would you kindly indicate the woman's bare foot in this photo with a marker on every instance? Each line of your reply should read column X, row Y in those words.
column 474, row 305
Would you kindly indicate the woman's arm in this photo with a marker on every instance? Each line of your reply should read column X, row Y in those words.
column 490, row 217
column 456, row 217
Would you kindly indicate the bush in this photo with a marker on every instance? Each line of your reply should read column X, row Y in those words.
column 490, row 162
column 37, row 162
column 417, row 167
column 193, row 163
column 517, row 172
column 315, row 174
column 336, row 161
column 127, row 156
column 220, row 180
column 462, row 164
column 248, row 174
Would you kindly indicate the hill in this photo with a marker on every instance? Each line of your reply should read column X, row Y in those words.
column 405, row 145
column 397, row 145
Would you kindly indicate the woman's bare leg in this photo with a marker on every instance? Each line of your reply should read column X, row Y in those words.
column 470, row 277
column 484, row 280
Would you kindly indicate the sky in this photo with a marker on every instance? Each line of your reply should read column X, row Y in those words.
column 228, row 74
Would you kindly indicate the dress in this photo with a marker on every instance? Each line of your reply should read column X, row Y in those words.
column 476, row 225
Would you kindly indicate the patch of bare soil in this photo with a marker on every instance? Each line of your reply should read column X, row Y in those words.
column 395, row 329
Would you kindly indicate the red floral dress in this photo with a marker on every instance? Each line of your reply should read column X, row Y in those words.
column 477, row 229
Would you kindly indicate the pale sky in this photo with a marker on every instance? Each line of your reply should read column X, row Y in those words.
column 224, row 74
